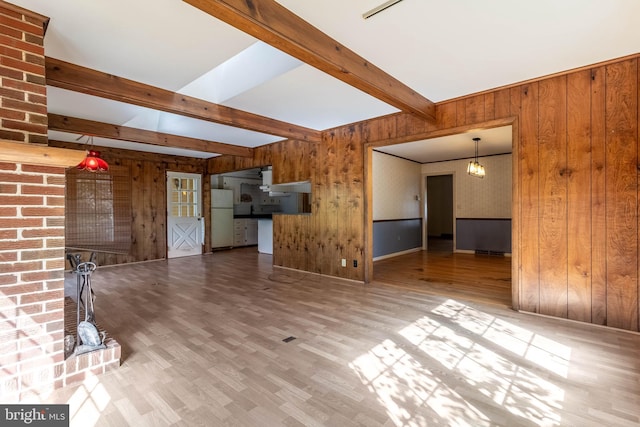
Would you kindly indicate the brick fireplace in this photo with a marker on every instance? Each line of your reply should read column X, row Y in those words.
column 32, row 254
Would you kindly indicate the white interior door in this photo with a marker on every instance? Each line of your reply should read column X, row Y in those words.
column 185, row 225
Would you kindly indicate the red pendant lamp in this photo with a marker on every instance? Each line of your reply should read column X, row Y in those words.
column 92, row 162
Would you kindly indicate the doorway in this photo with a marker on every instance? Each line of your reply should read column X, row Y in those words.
column 439, row 230
column 438, row 149
column 185, row 225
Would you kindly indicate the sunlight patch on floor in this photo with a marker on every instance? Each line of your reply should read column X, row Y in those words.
column 504, row 366
column 402, row 383
column 545, row 352
column 87, row 402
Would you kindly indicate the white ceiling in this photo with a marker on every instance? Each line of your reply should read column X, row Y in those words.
column 461, row 146
column 441, row 49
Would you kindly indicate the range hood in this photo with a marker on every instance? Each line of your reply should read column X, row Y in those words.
column 284, row 189
column 266, row 181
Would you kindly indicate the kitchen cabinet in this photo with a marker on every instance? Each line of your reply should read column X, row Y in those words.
column 238, row 232
column 245, row 232
column 252, row 232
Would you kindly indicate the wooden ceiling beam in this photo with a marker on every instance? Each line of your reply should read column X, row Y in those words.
column 92, row 82
column 105, row 130
column 35, row 154
column 274, row 24
column 115, row 155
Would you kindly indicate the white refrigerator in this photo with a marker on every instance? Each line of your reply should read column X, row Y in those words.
column 221, row 218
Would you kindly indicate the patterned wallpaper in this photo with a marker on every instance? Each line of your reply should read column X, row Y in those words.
column 489, row 197
column 396, row 182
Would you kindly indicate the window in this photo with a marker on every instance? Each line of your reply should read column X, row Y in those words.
column 185, row 197
column 98, row 210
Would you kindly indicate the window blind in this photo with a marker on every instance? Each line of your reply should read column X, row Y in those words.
column 98, row 210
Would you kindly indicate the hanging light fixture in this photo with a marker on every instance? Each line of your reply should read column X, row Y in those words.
column 475, row 168
column 92, row 162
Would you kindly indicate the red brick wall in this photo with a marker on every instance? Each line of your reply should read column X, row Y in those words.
column 23, row 112
column 31, row 220
column 31, row 279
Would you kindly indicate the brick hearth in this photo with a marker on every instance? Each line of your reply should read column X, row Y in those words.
column 96, row 362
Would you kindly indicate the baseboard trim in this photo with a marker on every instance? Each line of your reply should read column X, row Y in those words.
column 395, row 254
column 595, row 325
column 470, row 252
column 325, row 276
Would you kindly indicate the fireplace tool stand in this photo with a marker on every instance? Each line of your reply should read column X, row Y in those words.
column 87, row 336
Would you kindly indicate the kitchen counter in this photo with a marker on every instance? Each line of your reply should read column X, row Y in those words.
column 297, row 213
column 254, row 216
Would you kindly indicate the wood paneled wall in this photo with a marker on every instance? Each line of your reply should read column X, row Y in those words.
column 576, row 195
column 334, row 230
column 149, row 201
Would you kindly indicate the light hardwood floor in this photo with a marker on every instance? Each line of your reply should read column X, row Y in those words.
column 481, row 278
column 203, row 345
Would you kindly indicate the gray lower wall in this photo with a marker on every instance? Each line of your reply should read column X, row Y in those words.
column 398, row 235
column 491, row 234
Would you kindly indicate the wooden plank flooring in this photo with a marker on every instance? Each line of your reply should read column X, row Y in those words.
column 202, row 339
column 481, row 278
